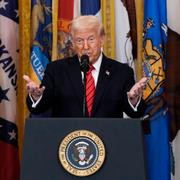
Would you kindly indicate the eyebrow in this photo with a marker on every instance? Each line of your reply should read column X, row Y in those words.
column 87, row 38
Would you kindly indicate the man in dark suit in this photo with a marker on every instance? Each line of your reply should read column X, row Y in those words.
column 62, row 87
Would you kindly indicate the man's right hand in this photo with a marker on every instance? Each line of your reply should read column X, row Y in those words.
column 33, row 88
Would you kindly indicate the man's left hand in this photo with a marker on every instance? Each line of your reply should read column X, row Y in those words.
column 136, row 91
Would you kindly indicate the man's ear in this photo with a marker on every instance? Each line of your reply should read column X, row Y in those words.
column 102, row 40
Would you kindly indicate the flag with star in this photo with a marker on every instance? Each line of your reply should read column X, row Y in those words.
column 9, row 155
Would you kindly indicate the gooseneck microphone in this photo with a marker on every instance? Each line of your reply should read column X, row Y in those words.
column 84, row 65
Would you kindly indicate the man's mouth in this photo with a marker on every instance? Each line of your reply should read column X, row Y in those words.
column 87, row 53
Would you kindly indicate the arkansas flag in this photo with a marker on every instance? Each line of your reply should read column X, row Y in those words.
column 9, row 159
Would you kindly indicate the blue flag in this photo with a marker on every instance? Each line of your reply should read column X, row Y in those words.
column 154, row 66
column 41, row 35
column 90, row 7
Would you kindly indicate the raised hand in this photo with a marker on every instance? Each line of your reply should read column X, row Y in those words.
column 136, row 91
column 33, row 88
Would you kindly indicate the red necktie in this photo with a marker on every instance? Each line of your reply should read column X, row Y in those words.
column 90, row 90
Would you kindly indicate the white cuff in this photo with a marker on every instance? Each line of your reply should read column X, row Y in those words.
column 134, row 108
column 34, row 104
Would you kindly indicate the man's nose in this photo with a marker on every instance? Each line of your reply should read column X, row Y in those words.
column 86, row 45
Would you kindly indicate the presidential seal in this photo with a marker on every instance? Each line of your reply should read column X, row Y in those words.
column 81, row 153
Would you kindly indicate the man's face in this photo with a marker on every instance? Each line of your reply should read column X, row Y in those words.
column 88, row 42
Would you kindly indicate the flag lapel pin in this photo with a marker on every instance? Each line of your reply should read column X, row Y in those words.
column 107, row 72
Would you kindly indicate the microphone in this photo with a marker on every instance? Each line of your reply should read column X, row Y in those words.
column 84, row 63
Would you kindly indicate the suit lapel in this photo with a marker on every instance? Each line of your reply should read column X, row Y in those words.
column 103, row 82
column 74, row 73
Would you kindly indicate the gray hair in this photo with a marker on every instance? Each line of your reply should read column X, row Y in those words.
column 87, row 22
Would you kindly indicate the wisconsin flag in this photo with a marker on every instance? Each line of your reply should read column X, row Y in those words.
column 9, row 159
column 173, row 82
column 154, row 65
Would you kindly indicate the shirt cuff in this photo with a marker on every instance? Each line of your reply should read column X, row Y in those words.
column 35, row 103
column 134, row 107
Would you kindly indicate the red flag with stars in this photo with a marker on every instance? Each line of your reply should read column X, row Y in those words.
column 9, row 155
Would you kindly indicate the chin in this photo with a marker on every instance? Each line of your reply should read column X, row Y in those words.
column 92, row 61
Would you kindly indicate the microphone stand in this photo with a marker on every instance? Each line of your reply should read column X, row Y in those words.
column 84, row 65
column 84, row 95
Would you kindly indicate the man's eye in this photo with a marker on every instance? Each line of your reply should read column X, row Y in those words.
column 79, row 40
column 91, row 39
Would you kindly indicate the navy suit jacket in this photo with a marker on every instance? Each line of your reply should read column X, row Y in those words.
column 64, row 90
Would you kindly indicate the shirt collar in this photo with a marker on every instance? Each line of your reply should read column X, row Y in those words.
column 97, row 64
